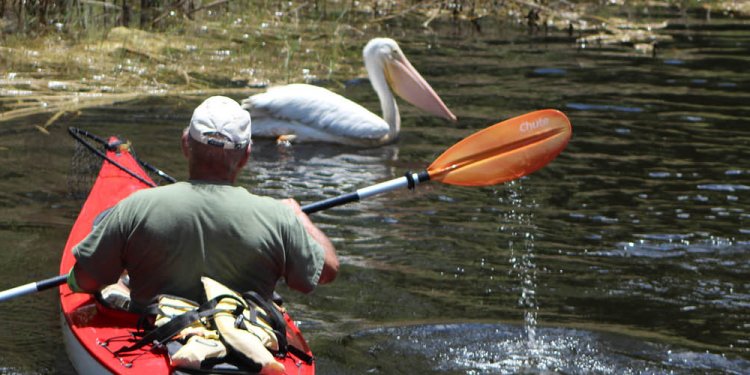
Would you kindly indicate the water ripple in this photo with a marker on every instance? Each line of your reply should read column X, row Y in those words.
column 723, row 187
column 603, row 107
column 503, row 349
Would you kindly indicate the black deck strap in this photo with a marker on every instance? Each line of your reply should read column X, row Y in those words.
column 278, row 325
column 271, row 315
column 240, row 317
column 163, row 333
column 273, row 318
column 299, row 353
column 177, row 324
column 277, row 299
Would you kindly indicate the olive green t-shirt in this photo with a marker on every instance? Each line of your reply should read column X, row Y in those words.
column 170, row 236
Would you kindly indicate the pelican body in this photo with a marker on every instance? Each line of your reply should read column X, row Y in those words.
column 314, row 114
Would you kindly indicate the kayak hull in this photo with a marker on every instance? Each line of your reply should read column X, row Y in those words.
column 93, row 332
column 79, row 356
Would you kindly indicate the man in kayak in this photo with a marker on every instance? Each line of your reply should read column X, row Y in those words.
column 168, row 237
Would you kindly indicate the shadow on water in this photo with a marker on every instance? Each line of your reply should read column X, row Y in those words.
column 635, row 242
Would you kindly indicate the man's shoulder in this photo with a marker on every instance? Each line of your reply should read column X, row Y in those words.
column 266, row 202
column 267, row 206
column 182, row 192
column 144, row 198
column 165, row 190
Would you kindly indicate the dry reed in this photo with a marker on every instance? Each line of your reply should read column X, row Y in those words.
column 189, row 48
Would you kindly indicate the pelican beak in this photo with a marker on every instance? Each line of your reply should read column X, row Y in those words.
column 409, row 85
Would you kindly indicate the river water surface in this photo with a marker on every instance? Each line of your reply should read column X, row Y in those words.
column 630, row 253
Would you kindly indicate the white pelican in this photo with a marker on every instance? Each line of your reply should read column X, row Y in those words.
column 313, row 114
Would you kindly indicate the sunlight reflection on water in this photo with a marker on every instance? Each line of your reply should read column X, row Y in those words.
column 503, row 349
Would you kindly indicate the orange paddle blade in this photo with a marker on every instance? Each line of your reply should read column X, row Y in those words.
column 504, row 151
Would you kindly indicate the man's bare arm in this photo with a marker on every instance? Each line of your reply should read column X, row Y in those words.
column 331, row 265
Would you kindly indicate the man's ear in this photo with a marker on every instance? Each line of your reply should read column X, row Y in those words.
column 245, row 157
column 185, row 144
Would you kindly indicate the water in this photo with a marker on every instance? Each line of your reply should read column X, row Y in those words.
column 524, row 267
column 498, row 349
column 635, row 242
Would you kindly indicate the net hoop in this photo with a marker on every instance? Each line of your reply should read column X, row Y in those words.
column 86, row 138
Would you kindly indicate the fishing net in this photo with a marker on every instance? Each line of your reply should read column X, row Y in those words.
column 88, row 154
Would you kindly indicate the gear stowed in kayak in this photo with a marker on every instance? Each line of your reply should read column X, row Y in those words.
column 94, row 332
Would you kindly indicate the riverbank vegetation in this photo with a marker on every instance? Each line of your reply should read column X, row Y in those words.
column 59, row 56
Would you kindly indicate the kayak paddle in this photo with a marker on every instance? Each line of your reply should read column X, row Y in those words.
column 34, row 287
column 502, row 152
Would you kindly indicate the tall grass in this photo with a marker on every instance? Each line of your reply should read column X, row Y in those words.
column 77, row 17
column 83, row 16
column 59, row 56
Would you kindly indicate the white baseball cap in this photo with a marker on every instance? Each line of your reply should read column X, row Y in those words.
column 220, row 121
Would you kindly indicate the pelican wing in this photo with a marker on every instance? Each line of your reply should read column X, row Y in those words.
column 301, row 105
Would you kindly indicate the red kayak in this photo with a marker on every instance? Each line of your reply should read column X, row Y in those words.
column 93, row 332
